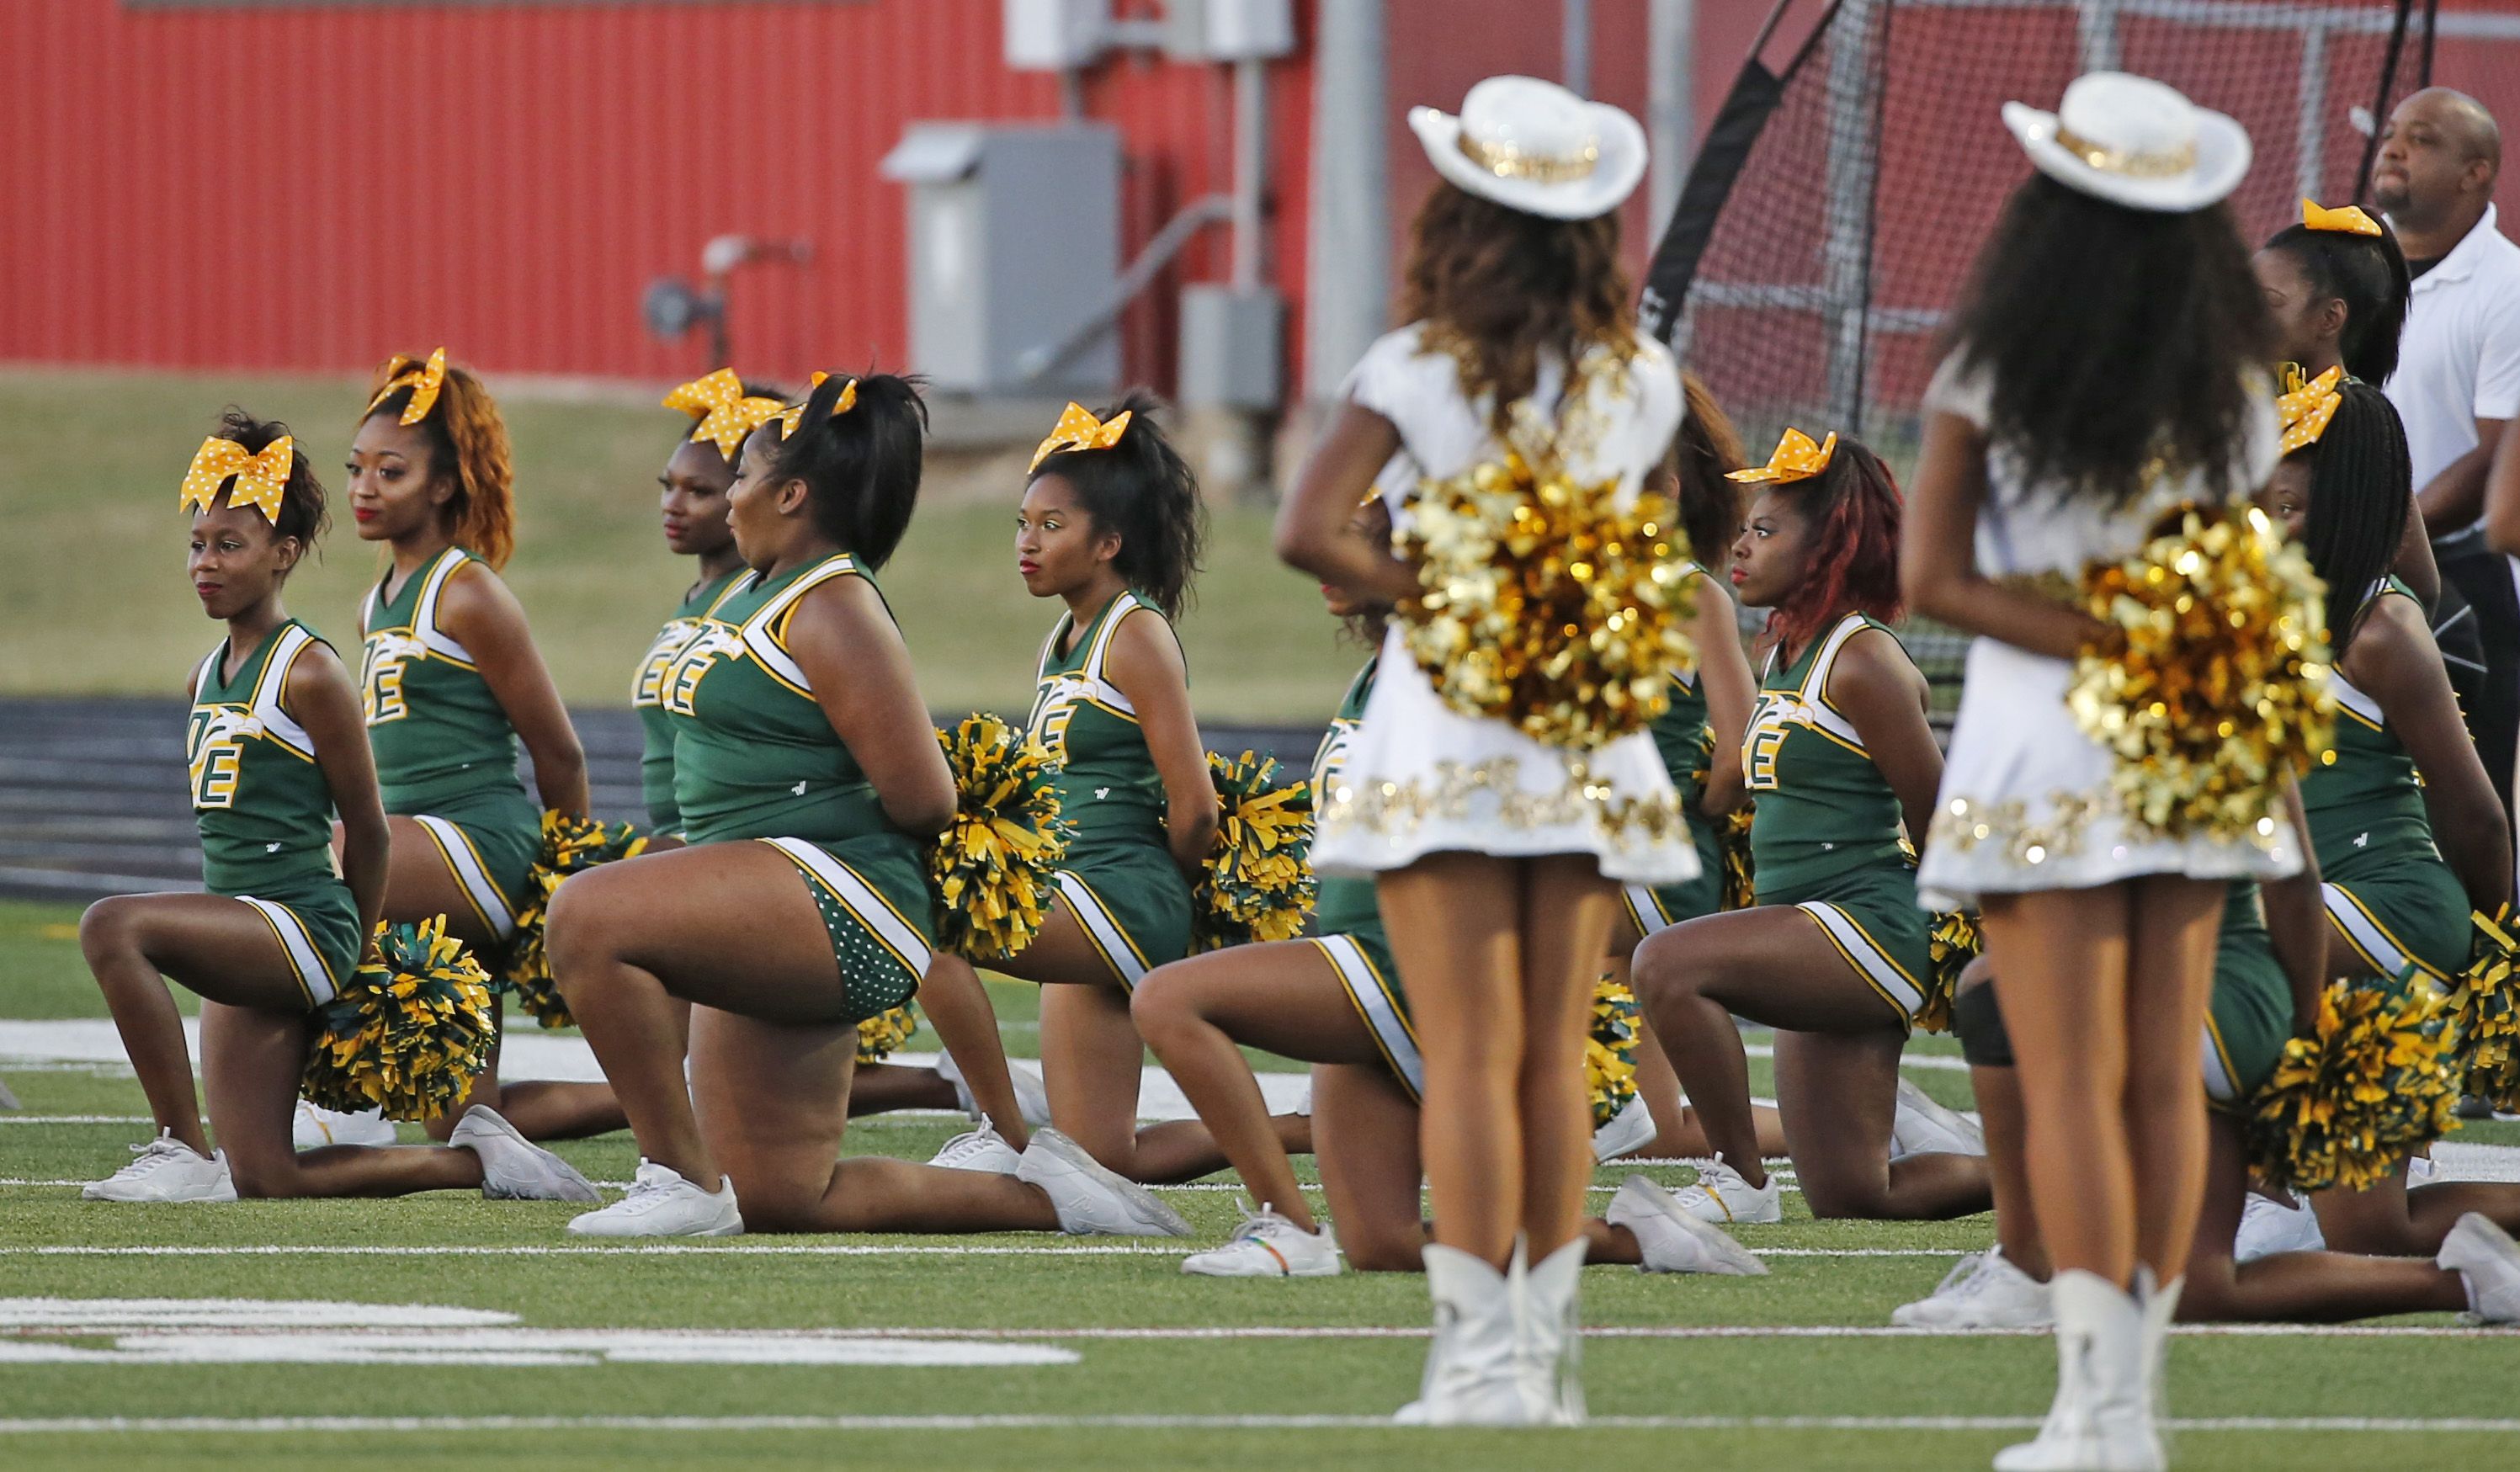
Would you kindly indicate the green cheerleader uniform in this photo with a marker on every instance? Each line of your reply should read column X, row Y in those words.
column 265, row 812
column 647, row 696
column 1825, row 832
column 1349, row 920
column 1120, row 878
column 1681, row 737
column 447, row 755
column 2387, row 888
column 755, row 757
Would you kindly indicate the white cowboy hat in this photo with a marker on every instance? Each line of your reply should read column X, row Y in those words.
column 1535, row 146
column 2135, row 142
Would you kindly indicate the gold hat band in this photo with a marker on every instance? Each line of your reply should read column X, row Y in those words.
column 1506, row 162
column 2134, row 165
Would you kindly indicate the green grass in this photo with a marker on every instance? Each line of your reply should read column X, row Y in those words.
column 1726, row 1378
column 90, row 462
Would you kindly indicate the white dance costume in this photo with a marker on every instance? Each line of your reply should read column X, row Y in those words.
column 2026, row 802
column 1422, row 777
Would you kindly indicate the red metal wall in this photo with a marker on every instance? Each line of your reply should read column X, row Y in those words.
column 281, row 188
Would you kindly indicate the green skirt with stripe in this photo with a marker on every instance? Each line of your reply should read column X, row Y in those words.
column 1871, row 916
column 1659, row 908
column 323, row 944
column 1133, row 904
column 873, row 893
column 2403, row 910
column 490, row 838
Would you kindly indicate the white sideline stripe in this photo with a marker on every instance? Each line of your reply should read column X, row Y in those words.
column 783, row 1249
column 1196, row 1333
column 284, row 1425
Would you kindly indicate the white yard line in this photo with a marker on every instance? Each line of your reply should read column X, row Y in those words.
column 431, row 1425
column 772, row 1249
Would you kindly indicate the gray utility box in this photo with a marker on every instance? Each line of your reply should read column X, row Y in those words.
column 1014, row 243
column 1230, row 348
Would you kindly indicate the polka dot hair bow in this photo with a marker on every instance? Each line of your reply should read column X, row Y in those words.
column 1796, row 459
column 726, row 413
column 2350, row 220
column 2307, row 408
column 260, row 480
column 1079, row 429
column 423, row 379
column 794, row 414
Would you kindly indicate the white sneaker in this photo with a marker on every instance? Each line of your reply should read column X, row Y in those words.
column 662, row 1204
column 2423, row 1169
column 165, row 1170
column 2485, row 1256
column 2268, row 1227
column 515, row 1167
column 1983, row 1291
column 1721, row 1196
column 1672, row 1240
column 313, row 1127
column 1091, row 1199
column 1032, row 1101
column 1922, row 1127
column 983, row 1149
column 1631, row 1129
column 1268, row 1246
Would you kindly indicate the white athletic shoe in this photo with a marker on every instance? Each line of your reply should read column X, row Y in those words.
column 662, row 1204
column 313, row 1127
column 1032, row 1101
column 2423, row 1169
column 1922, row 1127
column 2268, row 1227
column 1631, row 1129
column 983, row 1149
column 2485, row 1256
column 1091, row 1199
column 1983, row 1291
column 1268, row 1246
column 1721, row 1196
column 166, row 1169
column 1674, row 1241
column 515, row 1167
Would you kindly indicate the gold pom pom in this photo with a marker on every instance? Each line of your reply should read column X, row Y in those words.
column 2219, row 686
column 1741, row 889
column 881, row 1035
column 1610, row 1049
column 2489, row 1013
column 1258, row 883
column 2377, row 1078
column 1542, row 603
column 1952, row 944
column 571, row 845
column 996, row 866
column 409, row 1032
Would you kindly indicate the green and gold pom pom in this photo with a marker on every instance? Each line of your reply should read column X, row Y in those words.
column 409, row 1033
column 1610, row 1050
column 1740, row 875
column 1542, row 603
column 1259, row 884
column 1949, row 946
column 2217, row 685
column 2377, row 1079
column 881, row 1035
column 995, row 870
column 571, row 845
column 2489, row 1013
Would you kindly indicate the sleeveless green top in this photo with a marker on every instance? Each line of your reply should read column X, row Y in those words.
column 1823, row 808
column 260, row 801
column 754, row 755
column 438, row 731
column 1107, row 782
column 647, row 696
column 2364, row 800
column 1344, row 905
column 1679, row 733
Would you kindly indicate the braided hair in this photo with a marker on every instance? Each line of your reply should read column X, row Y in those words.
column 1144, row 490
column 2361, row 485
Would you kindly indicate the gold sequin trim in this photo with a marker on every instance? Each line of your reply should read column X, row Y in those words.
column 1394, row 808
column 1963, row 824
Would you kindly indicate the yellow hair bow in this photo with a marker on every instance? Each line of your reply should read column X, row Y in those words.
column 1079, row 429
column 726, row 413
column 2350, row 219
column 424, row 379
column 260, row 480
column 794, row 414
column 2306, row 410
column 1796, row 459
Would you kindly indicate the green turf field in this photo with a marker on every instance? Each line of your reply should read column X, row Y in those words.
column 1160, row 1369
column 90, row 462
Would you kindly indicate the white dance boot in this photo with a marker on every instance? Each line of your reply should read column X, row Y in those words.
column 1548, row 1335
column 2160, row 1310
column 2101, row 1420
column 1470, row 1375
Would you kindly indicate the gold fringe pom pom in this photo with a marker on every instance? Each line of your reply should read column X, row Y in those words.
column 880, row 1035
column 2377, row 1079
column 1740, row 888
column 2219, row 686
column 1952, row 944
column 2489, row 1013
column 1610, row 1049
column 409, row 1032
column 1543, row 604
column 1258, row 885
column 996, row 868
column 571, row 845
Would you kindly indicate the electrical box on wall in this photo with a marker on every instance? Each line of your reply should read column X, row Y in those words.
column 1229, row 31
column 1056, row 35
column 1231, row 349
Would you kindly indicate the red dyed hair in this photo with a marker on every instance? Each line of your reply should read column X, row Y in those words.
column 1852, row 510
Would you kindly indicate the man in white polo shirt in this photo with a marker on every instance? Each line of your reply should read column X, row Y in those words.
column 2459, row 377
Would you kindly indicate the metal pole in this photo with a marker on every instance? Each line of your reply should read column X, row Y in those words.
column 1348, row 244
column 1847, row 249
column 2097, row 28
column 1576, row 46
column 1671, row 103
column 2310, row 125
column 1250, row 165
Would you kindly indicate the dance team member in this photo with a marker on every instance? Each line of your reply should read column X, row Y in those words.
column 2059, row 430
column 275, row 747
column 798, row 724
column 1497, row 864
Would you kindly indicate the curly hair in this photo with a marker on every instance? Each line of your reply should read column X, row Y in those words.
column 2117, row 341
column 1143, row 489
column 2368, row 274
column 303, row 514
column 860, row 468
column 2360, row 489
column 469, row 442
column 1852, row 510
column 1499, row 289
column 1706, row 450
